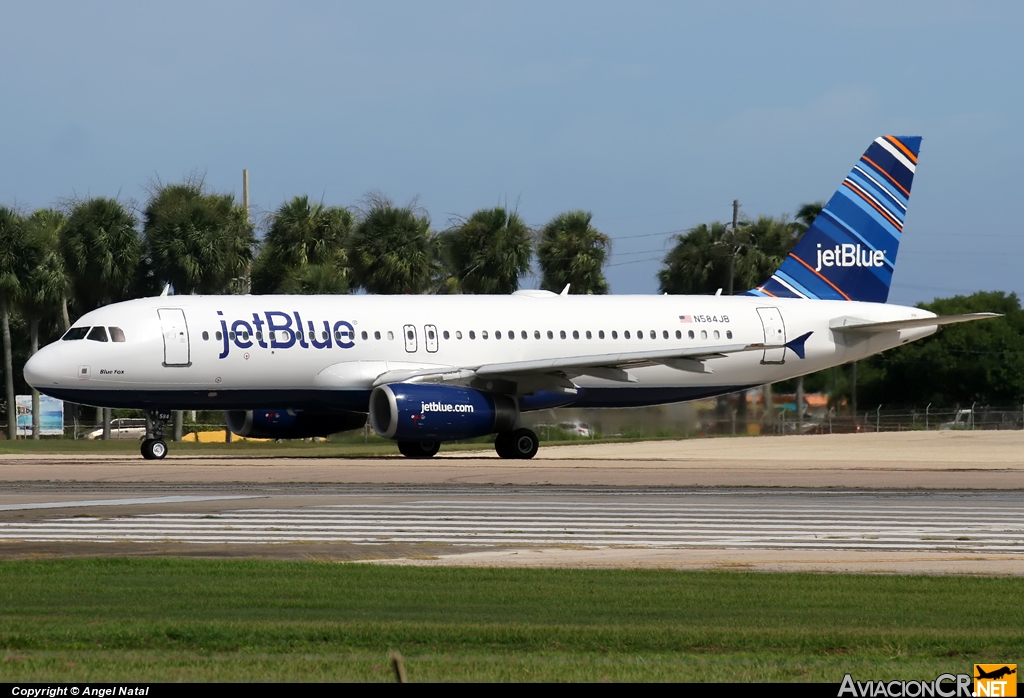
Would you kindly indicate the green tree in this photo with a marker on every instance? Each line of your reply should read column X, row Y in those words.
column 14, row 266
column 574, row 252
column 806, row 214
column 488, row 252
column 102, row 251
column 304, row 250
column 700, row 260
column 392, row 249
column 197, row 241
column 46, row 284
column 972, row 362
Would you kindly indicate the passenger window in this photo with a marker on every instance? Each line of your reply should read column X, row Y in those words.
column 445, row 334
column 626, row 334
column 728, row 334
column 337, row 335
column 536, row 334
column 524, row 335
column 408, row 335
column 483, row 334
column 97, row 334
column 615, row 334
column 717, row 335
column 703, row 334
column 391, row 335
column 690, row 334
column 575, row 334
column 364, row 335
column 220, row 336
column 640, row 334
column 231, row 336
column 654, row 335
column 323, row 336
column 259, row 336
column 75, row 333
column 551, row 335
column 376, row 335
column 589, row 336
column 600, row 334
column 116, row 334
column 206, row 336
column 664, row 334
column 430, row 334
column 511, row 334
column 497, row 335
column 561, row 333
column 679, row 334
column 458, row 334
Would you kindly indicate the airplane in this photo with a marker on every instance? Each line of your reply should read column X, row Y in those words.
column 430, row 369
column 994, row 674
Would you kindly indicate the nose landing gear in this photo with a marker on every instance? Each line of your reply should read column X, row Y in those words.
column 154, row 447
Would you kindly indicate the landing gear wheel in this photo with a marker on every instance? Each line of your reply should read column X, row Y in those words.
column 419, row 449
column 154, row 449
column 524, row 444
column 503, row 445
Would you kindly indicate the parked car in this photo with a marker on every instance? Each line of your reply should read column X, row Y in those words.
column 121, row 428
column 577, row 428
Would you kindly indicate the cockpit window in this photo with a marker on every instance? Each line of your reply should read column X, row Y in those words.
column 97, row 334
column 75, row 333
column 116, row 334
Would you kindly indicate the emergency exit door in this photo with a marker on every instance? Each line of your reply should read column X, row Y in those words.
column 774, row 334
column 175, row 333
column 409, row 332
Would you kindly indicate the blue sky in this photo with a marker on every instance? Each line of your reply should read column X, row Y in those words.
column 654, row 116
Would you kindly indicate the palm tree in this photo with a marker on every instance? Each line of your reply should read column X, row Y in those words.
column 101, row 249
column 488, row 252
column 699, row 261
column 198, row 242
column 14, row 264
column 392, row 249
column 572, row 251
column 46, row 284
column 806, row 214
column 305, row 250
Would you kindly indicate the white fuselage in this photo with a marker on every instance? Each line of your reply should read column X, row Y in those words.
column 216, row 352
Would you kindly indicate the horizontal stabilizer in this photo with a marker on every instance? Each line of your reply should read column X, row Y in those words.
column 856, row 326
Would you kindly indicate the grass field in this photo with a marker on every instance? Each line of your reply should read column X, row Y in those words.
column 194, row 620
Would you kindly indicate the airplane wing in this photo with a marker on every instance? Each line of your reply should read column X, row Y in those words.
column 608, row 366
column 855, row 326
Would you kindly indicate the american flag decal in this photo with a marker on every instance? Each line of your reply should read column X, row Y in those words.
column 685, row 318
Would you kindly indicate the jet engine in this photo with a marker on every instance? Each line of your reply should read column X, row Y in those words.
column 291, row 424
column 422, row 412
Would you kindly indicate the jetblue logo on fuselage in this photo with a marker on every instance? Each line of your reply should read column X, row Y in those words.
column 848, row 255
column 276, row 329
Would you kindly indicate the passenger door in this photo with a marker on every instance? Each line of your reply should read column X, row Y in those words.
column 175, row 334
column 409, row 332
column 430, row 337
column 774, row 333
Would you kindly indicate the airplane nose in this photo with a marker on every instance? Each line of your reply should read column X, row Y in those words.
column 37, row 372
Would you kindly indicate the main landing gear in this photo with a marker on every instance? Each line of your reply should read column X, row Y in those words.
column 154, row 447
column 521, row 443
column 419, row 449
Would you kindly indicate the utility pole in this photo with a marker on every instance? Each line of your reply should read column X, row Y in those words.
column 732, row 251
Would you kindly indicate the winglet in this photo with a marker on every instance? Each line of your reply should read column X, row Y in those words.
column 797, row 345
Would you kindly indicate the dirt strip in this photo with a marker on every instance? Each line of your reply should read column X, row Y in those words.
column 943, row 460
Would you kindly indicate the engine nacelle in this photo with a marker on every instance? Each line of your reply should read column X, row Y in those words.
column 414, row 411
column 291, row 424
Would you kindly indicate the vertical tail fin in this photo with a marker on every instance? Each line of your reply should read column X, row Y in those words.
column 849, row 252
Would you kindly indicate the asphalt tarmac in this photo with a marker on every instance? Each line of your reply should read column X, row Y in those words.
column 936, row 502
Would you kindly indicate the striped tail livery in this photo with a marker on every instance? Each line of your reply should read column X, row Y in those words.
column 849, row 251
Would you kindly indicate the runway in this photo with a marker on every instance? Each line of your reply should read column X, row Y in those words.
column 481, row 521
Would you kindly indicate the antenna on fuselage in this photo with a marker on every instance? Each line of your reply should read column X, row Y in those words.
column 565, row 291
column 166, row 292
